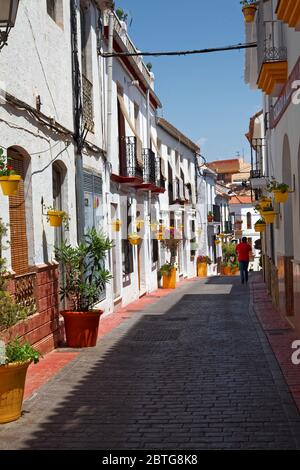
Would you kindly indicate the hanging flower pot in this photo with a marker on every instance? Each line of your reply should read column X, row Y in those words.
column 55, row 217
column 9, row 184
column 260, row 227
column 269, row 216
column 249, row 12
column 134, row 239
column 217, row 242
column 265, row 202
column 279, row 196
column 159, row 236
column 116, row 225
column 139, row 224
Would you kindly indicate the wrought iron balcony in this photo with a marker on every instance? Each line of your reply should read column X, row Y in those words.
column 150, row 169
column 258, row 147
column 129, row 166
column 271, row 55
column 87, row 103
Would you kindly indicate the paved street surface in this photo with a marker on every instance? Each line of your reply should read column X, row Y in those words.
column 192, row 371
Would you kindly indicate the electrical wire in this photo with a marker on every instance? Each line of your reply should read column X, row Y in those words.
column 180, row 53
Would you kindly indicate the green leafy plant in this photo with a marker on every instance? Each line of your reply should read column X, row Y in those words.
column 5, row 169
column 229, row 254
column 85, row 275
column 15, row 351
column 149, row 66
column 275, row 186
column 172, row 245
column 260, row 222
column 121, row 14
column 166, row 269
column 248, row 2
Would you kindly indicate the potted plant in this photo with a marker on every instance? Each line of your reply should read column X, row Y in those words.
column 14, row 361
column 280, row 191
column 210, row 217
column 264, row 202
column 134, row 238
column 202, row 263
column 85, row 279
column 249, row 10
column 169, row 273
column 116, row 225
column 9, row 180
column 260, row 226
column 269, row 214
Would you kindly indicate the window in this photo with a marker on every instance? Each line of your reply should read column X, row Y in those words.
column 55, row 11
column 168, row 150
column 93, row 201
column 249, row 221
column 137, row 117
column 17, row 217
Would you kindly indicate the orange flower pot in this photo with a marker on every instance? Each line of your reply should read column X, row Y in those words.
column 81, row 328
column 227, row 271
column 202, row 270
column 12, row 384
column 260, row 228
column 10, row 184
column 269, row 216
column 249, row 12
column 55, row 218
column 169, row 282
column 280, row 197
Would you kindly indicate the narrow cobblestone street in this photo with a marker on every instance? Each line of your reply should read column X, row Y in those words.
column 192, row 371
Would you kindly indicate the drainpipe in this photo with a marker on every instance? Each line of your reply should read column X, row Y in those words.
column 109, row 84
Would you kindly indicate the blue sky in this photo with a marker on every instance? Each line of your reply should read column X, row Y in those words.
column 203, row 95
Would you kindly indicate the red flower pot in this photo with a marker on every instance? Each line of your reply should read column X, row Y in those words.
column 81, row 328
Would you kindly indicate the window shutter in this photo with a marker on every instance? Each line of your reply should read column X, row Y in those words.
column 17, row 220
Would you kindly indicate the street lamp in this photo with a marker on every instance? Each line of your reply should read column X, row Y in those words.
column 8, row 14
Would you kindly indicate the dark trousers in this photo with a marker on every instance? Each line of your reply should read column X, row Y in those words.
column 244, row 271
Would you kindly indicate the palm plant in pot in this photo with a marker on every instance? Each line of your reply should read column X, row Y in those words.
column 168, row 270
column 85, row 279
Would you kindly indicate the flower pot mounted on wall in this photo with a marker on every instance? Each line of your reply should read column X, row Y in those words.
column 134, row 239
column 55, row 218
column 249, row 12
column 280, row 197
column 10, row 184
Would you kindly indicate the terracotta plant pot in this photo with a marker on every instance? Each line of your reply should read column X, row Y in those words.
column 169, row 282
column 280, row 197
column 12, row 384
column 202, row 270
column 81, row 328
column 10, row 184
column 55, row 218
column 269, row 216
column 249, row 12
column 210, row 218
column 227, row 271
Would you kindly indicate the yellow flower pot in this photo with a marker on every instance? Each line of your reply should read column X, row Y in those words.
column 55, row 218
column 139, row 224
column 134, row 239
column 280, row 197
column 269, row 216
column 217, row 242
column 10, row 184
column 265, row 203
column 249, row 12
column 260, row 228
column 12, row 384
column 169, row 282
column 159, row 236
column 202, row 270
column 116, row 225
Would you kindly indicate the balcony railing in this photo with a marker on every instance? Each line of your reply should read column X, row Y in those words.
column 217, row 213
column 87, row 103
column 149, row 174
column 258, row 148
column 271, row 47
column 128, row 158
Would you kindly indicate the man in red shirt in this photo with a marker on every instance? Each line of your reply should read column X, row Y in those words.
column 243, row 250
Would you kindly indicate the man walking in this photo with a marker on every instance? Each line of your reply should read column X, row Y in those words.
column 243, row 250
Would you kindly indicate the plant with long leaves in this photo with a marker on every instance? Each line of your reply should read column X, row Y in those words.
column 85, row 273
